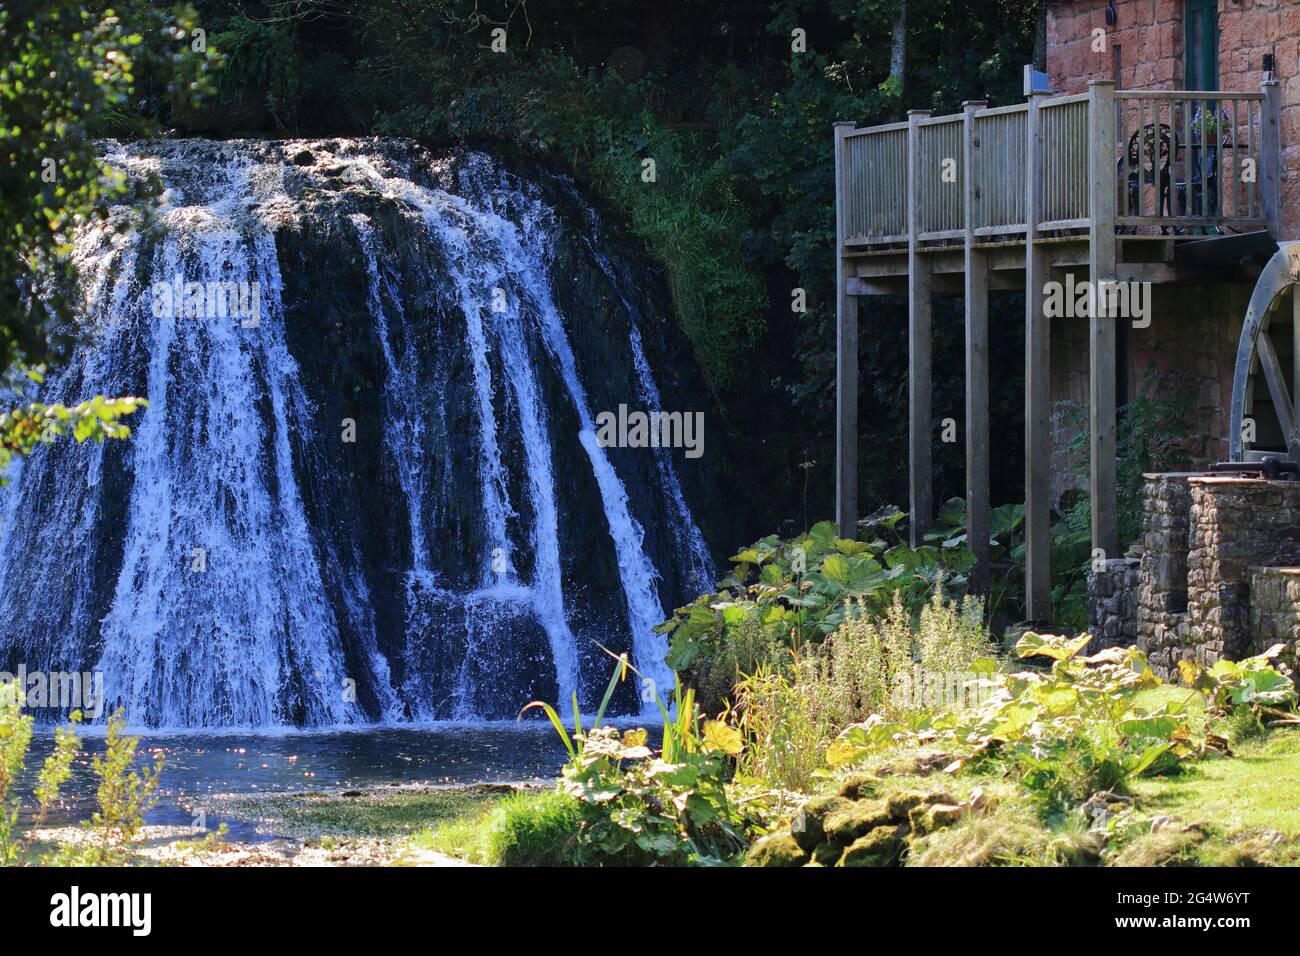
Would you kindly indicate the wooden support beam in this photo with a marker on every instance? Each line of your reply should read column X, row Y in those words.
column 1101, row 328
column 1157, row 273
column 1270, row 155
column 1272, row 369
column 1295, row 352
column 1038, row 358
column 846, row 364
column 921, row 493
column 886, row 286
column 977, row 364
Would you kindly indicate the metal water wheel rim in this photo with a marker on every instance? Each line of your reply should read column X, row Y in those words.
column 1255, row 350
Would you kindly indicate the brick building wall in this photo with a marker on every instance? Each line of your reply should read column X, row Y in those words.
column 1150, row 38
column 1193, row 334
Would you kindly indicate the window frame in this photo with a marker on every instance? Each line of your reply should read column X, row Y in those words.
column 1208, row 54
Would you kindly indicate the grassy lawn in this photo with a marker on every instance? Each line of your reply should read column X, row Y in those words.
column 364, row 813
column 1255, row 790
column 531, row 828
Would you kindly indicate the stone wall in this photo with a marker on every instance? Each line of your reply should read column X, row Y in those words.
column 1275, row 611
column 1239, row 523
column 1219, row 573
column 1112, row 604
column 1149, row 35
column 1162, row 632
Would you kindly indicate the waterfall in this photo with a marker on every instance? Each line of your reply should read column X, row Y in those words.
column 370, row 489
column 700, row 571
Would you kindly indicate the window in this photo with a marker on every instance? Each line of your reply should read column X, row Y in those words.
column 1201, row 42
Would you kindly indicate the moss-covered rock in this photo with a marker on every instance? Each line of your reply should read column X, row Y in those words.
column 808, row 826
column 776, row 849
column 882, row 846
column 847, row 824
column 827, row 854
column 900, row 805
column 929, row 818
column 860, row 786
column 858, row 826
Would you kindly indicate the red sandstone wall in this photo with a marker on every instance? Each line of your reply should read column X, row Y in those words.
column 1193, row 333
column 1149, row 34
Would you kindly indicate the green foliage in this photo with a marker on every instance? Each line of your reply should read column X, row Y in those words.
column 639, row 808
column 786, row 723
column 98, row 418
column 534, row 829
column 68, row 68
column 1252, row 686
column 262, row 55
column 882, row 664
column 124, row 795
column 800, row 589
column 57, row 767
column 1151, row 435
column 527, row 828
column 1064, row 734
column 15, row 737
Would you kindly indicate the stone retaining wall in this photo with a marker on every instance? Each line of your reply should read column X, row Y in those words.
column 1238, row 523
column 1275, row 611
column 1112, row 604
column 1161, row 601
column 1218, row 574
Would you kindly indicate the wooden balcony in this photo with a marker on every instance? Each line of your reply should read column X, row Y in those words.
column 1105, row 182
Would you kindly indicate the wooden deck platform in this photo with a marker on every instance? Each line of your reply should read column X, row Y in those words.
column 1001, row 199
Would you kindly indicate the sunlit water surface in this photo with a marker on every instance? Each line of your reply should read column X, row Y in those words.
column 202, row 771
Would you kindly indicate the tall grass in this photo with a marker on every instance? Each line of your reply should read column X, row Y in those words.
column 791, row 708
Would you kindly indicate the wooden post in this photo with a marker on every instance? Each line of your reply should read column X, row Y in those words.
column 919, row 283
column 1270, row 154
column 1295, row 352
column 846, row 360
column 977, row 363
column 1101, row 325
column 1038, row 361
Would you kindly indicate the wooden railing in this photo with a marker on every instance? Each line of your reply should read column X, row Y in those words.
column 1064, row 195
column 875, row 192
column 1184, row 163
column 999, row 150
column 1190, row 159
column 938, row 146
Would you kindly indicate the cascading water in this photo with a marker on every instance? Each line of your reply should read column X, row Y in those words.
column 373, row 492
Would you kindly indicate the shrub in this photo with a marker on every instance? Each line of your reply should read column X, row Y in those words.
column 124, row 795
column 872, row 664
column 1064, row 734
column 797, row 592
column 786, row 723
column 15, row 737
column 641, row 808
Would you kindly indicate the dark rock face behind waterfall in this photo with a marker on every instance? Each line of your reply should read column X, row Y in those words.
column 378, row 496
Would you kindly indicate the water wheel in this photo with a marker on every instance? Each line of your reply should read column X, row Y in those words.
column 1265, row 417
